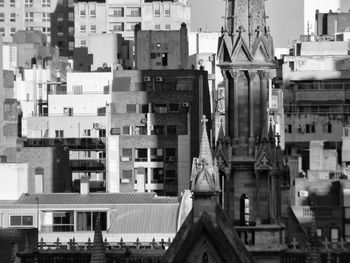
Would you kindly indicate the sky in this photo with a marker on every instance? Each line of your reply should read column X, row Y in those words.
column 285, row 17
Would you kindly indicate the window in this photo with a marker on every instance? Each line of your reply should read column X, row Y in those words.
column 93, row 28
column 87, row 133
column 291, row 65
column 86, row 221
column 133, row 12
column 131, row 108
column 288, row 128
column 156, row 155
column 160, row 108
column 70, row 16
column 2, row 17
column 117, row 12
column 101, row 111
column 13, row 3
column 77, row 89
column 170, row 154
column 126, row 155
column 141, row 155
column 164, row 59
column 173, row 107
column 68, row 111
column 21, row 220
column 83, row 43
column 143, row 108
column 153, row 55
column 82, row 12
column 13, row 17
column 118, row 27
column 347, row 232
column 170, row 176
column 71, row 45
column 140, row 130
column 59, row 133
column 126, row 176
column 28, row 3
column 2, row 3
column 157, row 27
column 93, row 13
column 29, row 16
column 126, row 130
column 158, row 130
column 13, row 31
column 166, row 9
column 45, row 3
column 327, row 128
column 82, row 28
column 70, row 3
column 156, row 9
column 102, row 133
column 130, row 26
column 2, row 31
column 157, row 175
column 310, row 128
column 46, row 17
column 61, row 221
column 319, row 232
column 167, row 27
column 171, row 130
column 334, row 234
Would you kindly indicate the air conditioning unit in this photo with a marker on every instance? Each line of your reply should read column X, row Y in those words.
column 303, row 193
column 159, row 79
column 185, row 104
column 147, row 78
column 125, row 158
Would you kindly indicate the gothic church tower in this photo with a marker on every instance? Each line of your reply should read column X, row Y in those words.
column 247, row 152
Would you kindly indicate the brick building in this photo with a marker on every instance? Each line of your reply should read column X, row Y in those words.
column 328, row 24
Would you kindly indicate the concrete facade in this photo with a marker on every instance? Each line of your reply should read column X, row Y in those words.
column 14, row 180
column 154, row 129
column 332, row 22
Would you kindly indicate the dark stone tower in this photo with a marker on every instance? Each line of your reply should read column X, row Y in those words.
column 247, row 154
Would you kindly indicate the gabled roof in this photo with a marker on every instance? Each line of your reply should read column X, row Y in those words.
column 219, row 233
column 95, row 198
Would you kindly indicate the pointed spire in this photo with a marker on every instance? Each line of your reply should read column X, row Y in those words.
column 204, row 150
column 98, row 248
column 221, row 135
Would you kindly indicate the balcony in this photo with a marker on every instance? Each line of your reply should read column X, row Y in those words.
column 326, row 175
column 306, row 212
column 88, row 165
column 57, row 228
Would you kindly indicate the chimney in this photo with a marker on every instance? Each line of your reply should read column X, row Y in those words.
column 84, row 185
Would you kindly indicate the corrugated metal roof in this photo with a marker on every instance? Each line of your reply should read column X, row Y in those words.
column 95, row 198
column 145, row 219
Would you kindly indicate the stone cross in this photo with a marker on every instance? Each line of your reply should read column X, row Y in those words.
column 204, row 120
column 72, row 244
column 137, row 243
column 326, row 243
column 162, row 243
column 121, row 243
column 240, row 30
column 342, row 243
column 88, row 244
column 264, row 161
column 42, row 243
column 294, row 243
column 57, row 243
column 257, row 30
column 153, row 243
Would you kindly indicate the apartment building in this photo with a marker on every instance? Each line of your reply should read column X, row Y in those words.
column 112, row 16
column 316, row 95
column 26, row 15
column 154, row 129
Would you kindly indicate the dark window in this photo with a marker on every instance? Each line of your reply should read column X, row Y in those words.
column 327, row 128
column 171, row 130
column 156, row 155
column 164, row 59
column 143, row 108
column 131, row 108
column 158, row 130
column 127, row 174
column 102, row 133
column 101, row 111
column 153, row 55
column 170, row 154
column 310, row 128
column 140, row 130
column 288, row 128
column 291, row 65
column 157, row 175
column 127, row 152
column 141, row 155
column 173, row 107
column 170, row 176
column 319, row 232
column 126, row 130
column 86, row 221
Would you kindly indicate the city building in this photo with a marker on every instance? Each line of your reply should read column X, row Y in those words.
column 62, row 27
column 330, row 23
column 25, row 15
column 153, row 130
column 63, row 216
column 316, row 80
column 112, row 16
column 161, row 50
column 79, row 126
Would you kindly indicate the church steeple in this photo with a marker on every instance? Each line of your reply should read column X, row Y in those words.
column 246, row 17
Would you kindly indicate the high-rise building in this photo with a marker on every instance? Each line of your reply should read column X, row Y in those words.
column 25, row 15
column 122, row 16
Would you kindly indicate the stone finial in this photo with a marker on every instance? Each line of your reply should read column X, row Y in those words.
column 98, row 248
